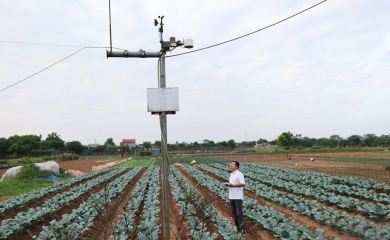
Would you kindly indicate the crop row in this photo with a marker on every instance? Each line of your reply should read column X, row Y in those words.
column 72, row 225
column 328, row 216
column 185, row 195
column 26, row 198
column 149, row 227
column 10, row 227
column 127, row 228
column 376, row 211
column 269, row 218
column 353, row 187
column 311, row 178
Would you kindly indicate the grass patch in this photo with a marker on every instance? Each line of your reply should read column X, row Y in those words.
column 139, row 162
column 13, row 187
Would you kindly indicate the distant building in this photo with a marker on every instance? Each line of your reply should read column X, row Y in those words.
column 93, row 145
column 128, row 142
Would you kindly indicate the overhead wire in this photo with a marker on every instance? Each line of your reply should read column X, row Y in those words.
column 44, row 69
column 245, row 35
column 175, row 55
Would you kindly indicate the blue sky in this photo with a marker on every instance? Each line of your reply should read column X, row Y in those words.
column 321, row 73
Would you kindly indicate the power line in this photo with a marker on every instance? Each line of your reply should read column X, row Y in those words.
column 44, row 69
column 84, row 47
column 231, row 40
column 55, row 45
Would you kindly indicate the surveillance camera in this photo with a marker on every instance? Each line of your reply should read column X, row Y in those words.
column 188, row 43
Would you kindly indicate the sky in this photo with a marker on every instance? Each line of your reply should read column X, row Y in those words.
column 323, row 72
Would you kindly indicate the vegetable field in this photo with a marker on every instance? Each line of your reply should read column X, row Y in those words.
column 125, row 203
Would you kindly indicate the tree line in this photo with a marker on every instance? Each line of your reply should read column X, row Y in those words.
column 33, row 145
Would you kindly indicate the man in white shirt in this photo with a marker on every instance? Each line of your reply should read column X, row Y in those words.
column 236, row 195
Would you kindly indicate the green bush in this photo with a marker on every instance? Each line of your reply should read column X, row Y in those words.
column 144, row 154
column 23, row 161
column 68, row 157
column 31, row 171
column 387, row 168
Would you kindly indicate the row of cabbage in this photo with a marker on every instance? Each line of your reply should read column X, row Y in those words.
column 353, row 187
column 72, row 225
column 328, row 216
column 26, row 198
column 311, row 178
column 192, row 204
column 372, row 210
column 147, row 190
column 269, row 218
column 376, row 211
column 12, row 226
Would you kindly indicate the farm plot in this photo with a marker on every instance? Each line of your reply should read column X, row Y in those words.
column 125, row 203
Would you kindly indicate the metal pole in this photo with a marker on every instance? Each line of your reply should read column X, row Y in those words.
column 165, row 163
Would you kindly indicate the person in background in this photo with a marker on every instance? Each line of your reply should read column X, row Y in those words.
column 236, row 186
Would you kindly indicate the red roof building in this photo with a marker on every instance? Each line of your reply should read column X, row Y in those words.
column 128, row 142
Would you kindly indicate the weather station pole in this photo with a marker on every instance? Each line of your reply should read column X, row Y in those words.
column 161, row 101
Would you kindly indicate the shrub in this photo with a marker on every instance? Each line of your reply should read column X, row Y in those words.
column 31, row 171
column 68, row 157
column 387, row 168
column 23, row 161
column 143, row 154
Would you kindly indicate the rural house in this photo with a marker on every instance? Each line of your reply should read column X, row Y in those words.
column 128, row 142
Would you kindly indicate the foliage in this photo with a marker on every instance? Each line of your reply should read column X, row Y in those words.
column 286, row 140
column 74, row 146
column 23, row 145
column 31, row 171
column 147, row 145
column 145, row 154
column 67, row 157
column 109, row 142
column 387, row 168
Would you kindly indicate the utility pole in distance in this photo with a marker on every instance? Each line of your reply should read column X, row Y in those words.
column 161, row 101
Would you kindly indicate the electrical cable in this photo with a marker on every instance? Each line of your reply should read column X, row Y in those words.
column 197, row 50
column 44, row 69
column 57, row 45
column 245, row 35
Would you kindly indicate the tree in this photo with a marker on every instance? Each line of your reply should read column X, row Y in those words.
column 53, row 140
column 354, row 140
column 146, row 145
column 286, row 141
column 157, row 144
column 231, row 143
column 23, row 145
column 370, row 140
column 335, row 141
column 207, row 142
column 4, row 145
column 260, row 141
column 74, row 146
column 109, row 142
column 322, row 142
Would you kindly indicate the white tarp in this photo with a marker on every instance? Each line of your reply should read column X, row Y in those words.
column 50, row 166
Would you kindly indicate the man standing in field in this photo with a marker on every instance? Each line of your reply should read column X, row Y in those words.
column 236, row 195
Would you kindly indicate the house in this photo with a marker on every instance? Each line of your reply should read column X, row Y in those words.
column 128, row 142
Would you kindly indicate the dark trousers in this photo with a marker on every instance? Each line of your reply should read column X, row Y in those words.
column 238, row 217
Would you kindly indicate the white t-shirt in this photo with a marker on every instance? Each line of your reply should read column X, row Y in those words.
column 236, row 177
